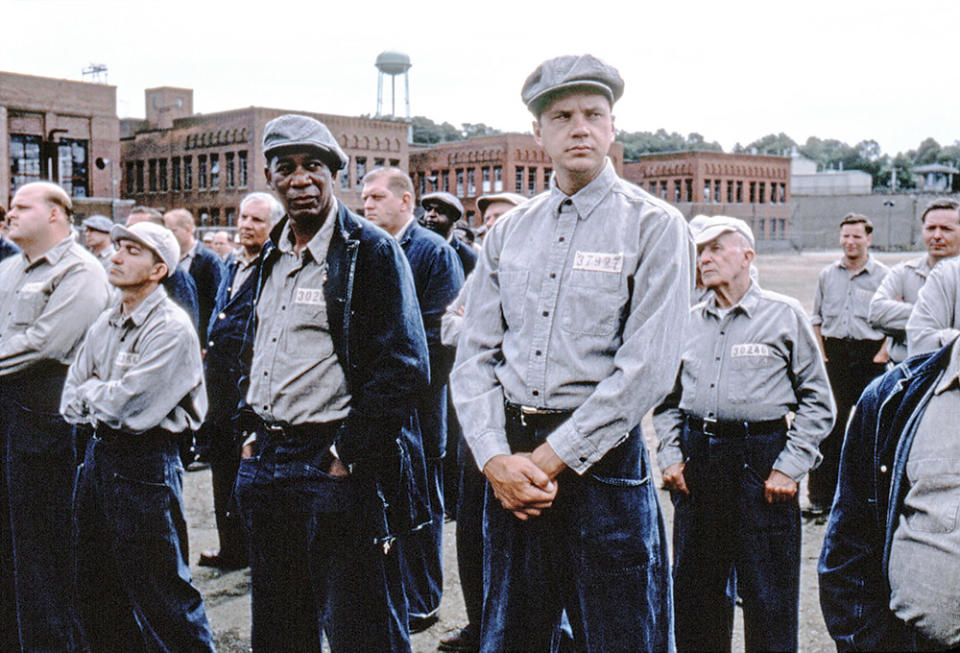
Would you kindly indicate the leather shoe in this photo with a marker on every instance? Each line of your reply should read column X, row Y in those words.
column 463, row 640
column 214, row 559
column 420, row 624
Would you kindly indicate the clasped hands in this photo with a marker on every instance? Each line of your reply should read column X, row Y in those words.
column 525, row 482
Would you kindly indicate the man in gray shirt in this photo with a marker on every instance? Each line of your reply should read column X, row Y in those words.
column 935, row 320
column 138, row 381
column 893, row 302
column 49, row 294
column 572, row 331
column 728, row 456
column 96, row 236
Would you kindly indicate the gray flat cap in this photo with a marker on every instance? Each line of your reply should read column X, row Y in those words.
column 717, row 225
column 443, row 198
column 98, row 223
column 292, row 130
column 154, row 237
column 510, row 198
column 567, row 72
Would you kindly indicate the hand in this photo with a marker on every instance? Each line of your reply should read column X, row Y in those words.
column 673, row 479
column 883, row 356
column 460, row 310
column 338, row 469
column 520, row 485
column 247, row 451
column 547, row 459
column 779, row 487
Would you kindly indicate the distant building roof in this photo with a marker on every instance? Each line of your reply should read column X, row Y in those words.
column 935, row 167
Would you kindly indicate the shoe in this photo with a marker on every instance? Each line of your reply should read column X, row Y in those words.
column 815, row 510
column 463, row 640
column 420, row 624
column 214, row 559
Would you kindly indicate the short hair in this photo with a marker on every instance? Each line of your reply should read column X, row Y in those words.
column 397, row 180
column 941, row 203
column 856, row 218
column 182, row 218
column 276, row 208
column 54, row 196
column 153, row 215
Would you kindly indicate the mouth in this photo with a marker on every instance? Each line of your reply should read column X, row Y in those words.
column 575, row 149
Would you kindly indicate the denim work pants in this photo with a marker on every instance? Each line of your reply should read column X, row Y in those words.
column 600, row 553
column 725, row 527
column 315, row 569
column 38, row 483
column 132, row 559
column 469, row 517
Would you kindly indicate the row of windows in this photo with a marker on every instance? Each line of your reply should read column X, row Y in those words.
column 68, row 166
column 358, row 167
column 178, row 176
column 465, row 181
column 769, row 228
column 737, row 192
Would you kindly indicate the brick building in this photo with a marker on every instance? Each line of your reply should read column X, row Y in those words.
column 751, row 187
column 489, row 164
column 54, row 129
column 206, row 163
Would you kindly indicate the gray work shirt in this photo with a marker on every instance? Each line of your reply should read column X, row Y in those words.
column 841, row 303
column 936, row 316
column 452, row 321
column 892, row 303
column 47, row 305
column 924, row 562
column 578, row 303
column 295, row 376
column 139, row 371
column 105, row 255
column 244, row 269
column 757, row 362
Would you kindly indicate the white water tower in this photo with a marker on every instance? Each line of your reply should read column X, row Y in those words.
column 393, row 63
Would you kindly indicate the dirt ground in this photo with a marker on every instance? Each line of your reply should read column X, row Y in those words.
column 227, row 594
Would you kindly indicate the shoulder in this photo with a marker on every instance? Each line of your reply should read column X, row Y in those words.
column 644, row 202
column 772, row 298
column 948, row 270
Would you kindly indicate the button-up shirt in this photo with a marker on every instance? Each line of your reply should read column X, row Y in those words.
column 841, row 303
column 935, row 319
column 139, row 371
column 755, row 362
column 580, row 303
column 244, row 268
column 186, row 259
column 295, row 376
column 892, row 303
column 46, row 305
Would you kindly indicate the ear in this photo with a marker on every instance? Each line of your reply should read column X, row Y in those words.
column 749, row 255
column 406, row 201
column 613, row 125
column 536, row 132
column 268, row 176
column 159, row 272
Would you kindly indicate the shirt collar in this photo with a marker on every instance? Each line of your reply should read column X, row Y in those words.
column 870, row 267
column 404, row 229
column 319, row 243
column 140, row 313
column 53, row 255
column 747, row 304
column 587, row 198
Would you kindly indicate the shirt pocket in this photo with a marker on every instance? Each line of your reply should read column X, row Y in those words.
column 27, row 307
column 592, row 303
column 513, row 292
column 309, row 335
column 750, row 378
column 932, row 504
column 861, row 302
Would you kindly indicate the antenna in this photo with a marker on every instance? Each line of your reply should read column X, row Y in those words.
column 96, row 73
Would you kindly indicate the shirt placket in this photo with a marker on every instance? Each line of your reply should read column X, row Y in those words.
column 718, row 362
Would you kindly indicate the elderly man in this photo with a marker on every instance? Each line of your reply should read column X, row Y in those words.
column 50, row 294
column 728, row 455
column 198, row 261
column 492, row 206
column 437, row 274
column 223, row 368
column 223, row 246
column 138, row 381
column 441, row 212
column 893, row 302
column 852, row 348
column 96, row 237
column 6, row 247
column 565, row 346
column 339, row 359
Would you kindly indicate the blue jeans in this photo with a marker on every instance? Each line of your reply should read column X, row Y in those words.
column 469, row 517
column 724, row 527
column 134, row 580
column 39, row 473
column 600, row 553
column 315, row 567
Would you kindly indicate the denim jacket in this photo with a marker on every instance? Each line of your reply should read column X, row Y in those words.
column 854, row 590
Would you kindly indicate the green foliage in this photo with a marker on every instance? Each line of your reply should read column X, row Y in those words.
column 636, row 144
column 428, row 132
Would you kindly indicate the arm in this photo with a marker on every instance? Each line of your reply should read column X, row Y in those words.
column 443, row 284
column 668, row 422
column 816, row 319
column 889, row 311
column 933, row 321
column 72, row 406
column 452, row 320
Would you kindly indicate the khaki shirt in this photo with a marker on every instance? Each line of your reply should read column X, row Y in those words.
column 47, row 305
column 137, row 372
column 841, row 303
column 893, row 302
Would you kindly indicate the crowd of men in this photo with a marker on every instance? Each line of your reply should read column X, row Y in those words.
column 353, row 380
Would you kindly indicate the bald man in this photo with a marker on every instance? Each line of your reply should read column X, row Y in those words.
column 198, row 261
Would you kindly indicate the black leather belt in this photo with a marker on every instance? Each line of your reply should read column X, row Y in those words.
column 108, row 434
column 279, row 432
column 734, row 429
column 533, row 416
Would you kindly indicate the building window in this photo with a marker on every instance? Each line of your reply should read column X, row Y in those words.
column 24, row 160
column 763, row 192
column 471, row 182
column 188, row 173
column 739, row 192
column 676, row 190
column 202, row 171
column 361, row 171
column 378, row 162
column 519, row 184
column 663, row 190
column 175, row 174
column 162, row 176
column 753, row 192
column 395, row 163
column 485, row 179
column 761, row 227
column 422, row 179
column 773, row 228
column 344, row 175
column 547, row 173
column 231, row 217
column 729, row 192
column 783, row 227
column 129, row 178
column 446, row 181
column 214, row 171
column 531, row 180
column 140, row 176
column 152, row 177
column 783, row 193
column 460, row 182
column 214, row 211
column 706, row 190
column 72, row 167
column 231, row 169
column 242, row 169
column 716, row 191
column 497, row 179
column 688, row 189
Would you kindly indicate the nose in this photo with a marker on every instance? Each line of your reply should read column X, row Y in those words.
column 579, row 124
column 299, row 177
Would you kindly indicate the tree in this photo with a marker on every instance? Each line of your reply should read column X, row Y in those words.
column 775, row 144
column 636, row 144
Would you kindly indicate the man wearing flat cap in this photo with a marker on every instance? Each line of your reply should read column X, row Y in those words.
column 565, row 346
column 441, row 212
column 339, row 357
column 728, row 455
column 138, row 381
column 96, row 237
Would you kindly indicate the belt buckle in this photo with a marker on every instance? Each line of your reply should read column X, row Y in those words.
column 276, row 430
column 526, row 411
column 710, row 427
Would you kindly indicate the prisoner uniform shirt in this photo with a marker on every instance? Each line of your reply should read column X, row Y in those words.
column 139, row 371
column 295, row 376
column 935, row 320
column 244, row 268
column 841, row 303
column 46, row 305
column 893, row 302
column 579, row 304
column 105, row 255
column 756, row 362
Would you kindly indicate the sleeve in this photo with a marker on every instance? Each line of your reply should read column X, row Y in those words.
column 668, row 423
column 888, row 310
column 443, row 284
column 816, row 318
column 452, row 321
column 932, row 323
column 72, row 406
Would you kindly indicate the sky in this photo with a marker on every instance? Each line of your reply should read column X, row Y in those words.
column 732, row 71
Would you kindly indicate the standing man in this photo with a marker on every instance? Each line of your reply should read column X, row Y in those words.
column 935, row 320
column 223, row 246
column 223, row 369
column 197, row 261
column 437, row 276
column 97, row 238
column 339, row 359
column 491, row 207
column 893, row 302
column 6, row 247
column 853, row 350
column 49, row 294
column 728, row 456
column 565, row 346
column 138, row 381
column 441, row 212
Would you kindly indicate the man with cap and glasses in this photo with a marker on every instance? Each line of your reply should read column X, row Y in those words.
column 730, row 458
column 441, row 212
column 564, row 347
column 339, row 357
column 138, row 381
column 96, row 237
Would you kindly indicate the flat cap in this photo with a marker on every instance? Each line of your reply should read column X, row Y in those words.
column 567, row 72
column 511, row 198
column 292, row 130
column 718, row 225
column 445, row 199
column 154, row 237
column 98, row 223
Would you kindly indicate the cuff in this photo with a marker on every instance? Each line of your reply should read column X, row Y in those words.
column 487, row 445
column 669, row 455
column 948, row 335
column 791, row 467
column 575, row 451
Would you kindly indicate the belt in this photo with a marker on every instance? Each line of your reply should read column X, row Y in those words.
column 108, row 434
column 734, row 429
column 533, row 416
column 280, row 432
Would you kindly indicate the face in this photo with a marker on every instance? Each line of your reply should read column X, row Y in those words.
column 435, row 218
column 576, row 131
column 855, row 241
column 221, row 244
column 134, row 265
column 382, row 207
column 494, row 211
column 941, row 233
column 723, row 259
column 30, row 216
column 304, row 184
column 254, row 225
column 182, row 233
column 96, row 240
